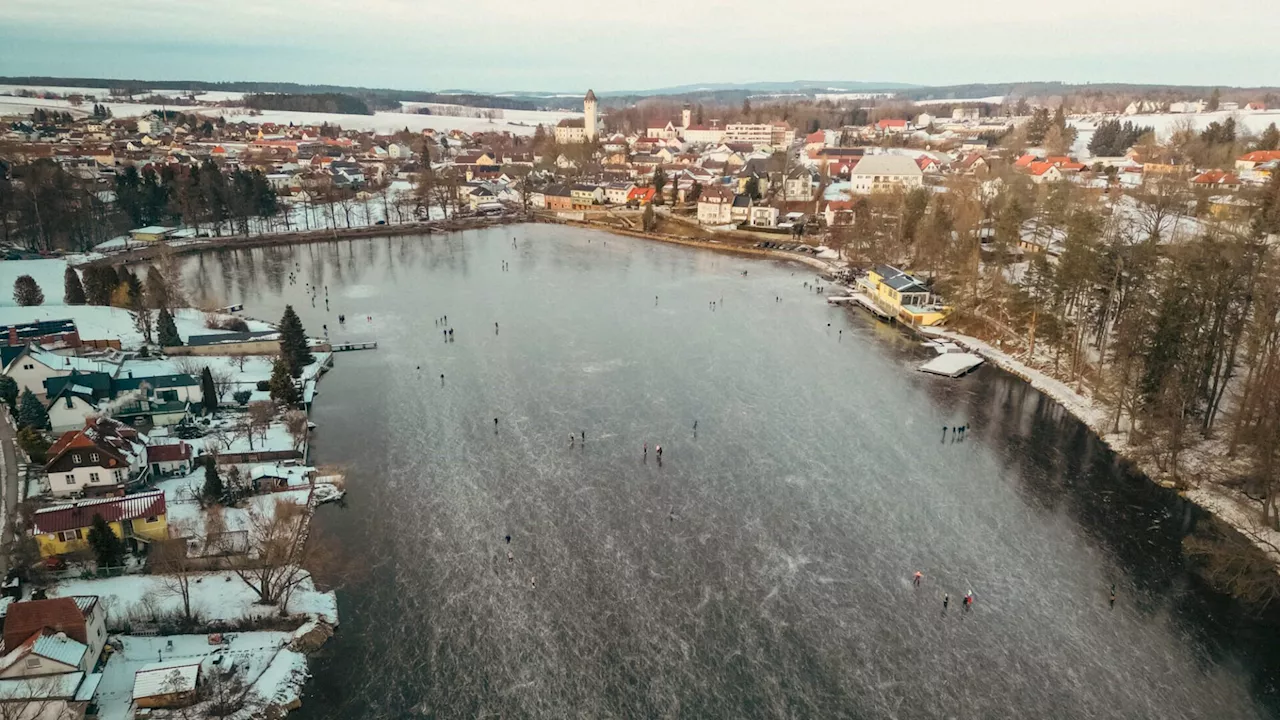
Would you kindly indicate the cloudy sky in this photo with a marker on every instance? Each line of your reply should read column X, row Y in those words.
column 563, row 45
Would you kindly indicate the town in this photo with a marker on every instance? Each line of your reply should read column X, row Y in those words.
column 159, row 497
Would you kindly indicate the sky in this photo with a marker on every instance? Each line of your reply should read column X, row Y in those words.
column 569, row 46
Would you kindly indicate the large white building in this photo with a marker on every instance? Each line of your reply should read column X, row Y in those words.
column 882, row 173
column 571, row 131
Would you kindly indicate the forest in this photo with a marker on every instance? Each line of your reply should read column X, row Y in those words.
column 309, row 102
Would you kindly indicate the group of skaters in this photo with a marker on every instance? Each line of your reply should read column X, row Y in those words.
column 918, row 579
column 958, row 432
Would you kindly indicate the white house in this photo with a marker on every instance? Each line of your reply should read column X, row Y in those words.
column 34, row 365
column 715, row 206
column 764, row 216
column 616, row 193
column 880, row 173
column 170, row 459
column 105, row 455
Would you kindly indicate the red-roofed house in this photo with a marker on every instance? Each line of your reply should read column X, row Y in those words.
column 1216, row 179
column 641, row 195
column 174, row 459
column 1249, row 161
column 1043, row 172
column 928, row 164
column 35, row 623
column 64, row 529
column 892, row 125
column 1025, row 161
column 105, row 456
column 715, row 205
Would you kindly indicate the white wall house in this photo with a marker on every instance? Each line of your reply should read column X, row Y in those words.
column 102, row 456
column 34, row 365
column 882, row 173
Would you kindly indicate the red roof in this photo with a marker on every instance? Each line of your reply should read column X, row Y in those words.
column 891, row 122
column 925, row 161
column 1040, row 168
column 1216, row 177
column 169, row 453
column 80, row 514
column 1261, row 156
column 817, row 137
column 643, row 194
column 1025, row 161
column 23, row 619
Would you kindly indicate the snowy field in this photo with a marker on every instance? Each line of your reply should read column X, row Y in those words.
column 217, row 596
column 47, row 274
column 517, row 122
column 1166, row 123
column 271, row 672
column 992, row 99
column 97, row 322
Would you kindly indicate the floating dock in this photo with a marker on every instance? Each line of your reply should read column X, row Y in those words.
column 952, row 364
column 349, row 346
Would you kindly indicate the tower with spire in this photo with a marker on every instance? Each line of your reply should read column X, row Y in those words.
column 589, row 110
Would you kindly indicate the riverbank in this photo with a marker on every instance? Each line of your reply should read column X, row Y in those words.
column 148, row 251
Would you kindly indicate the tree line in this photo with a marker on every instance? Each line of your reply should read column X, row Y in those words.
column 309, row 102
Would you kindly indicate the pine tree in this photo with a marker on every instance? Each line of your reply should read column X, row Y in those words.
column 1269, row 139
column 108, row 548
column 213, row 488
column 1215, row 100
column 99, row 282
column 283, row 389
column 166, row 330
column 31, row 412
column 34, row 444
column 26, row 292
column 294, row 350
column 72, row 290
column 650, row 221
column 209, row 391
column 9, row 392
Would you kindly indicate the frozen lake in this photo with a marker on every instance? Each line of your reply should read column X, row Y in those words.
column 764, row 568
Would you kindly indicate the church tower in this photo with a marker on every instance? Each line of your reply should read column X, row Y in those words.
column 589, row 108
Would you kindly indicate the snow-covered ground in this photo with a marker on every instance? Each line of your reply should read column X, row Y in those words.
column 991, row 99
column 271, row 672
column 218, row 596
column 47, row 274
column 1165, row 123
column 517, row 122
column 97, row 322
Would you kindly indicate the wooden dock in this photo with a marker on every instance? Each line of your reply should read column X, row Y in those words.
column 349, row 346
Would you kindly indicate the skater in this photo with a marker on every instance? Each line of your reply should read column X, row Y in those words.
column 510, row 558
column 570, row 439
column 1112, row 599
column 495, row 425
column 695, row 426
column 968, row 600
column 495, row 328
column 655, row 301
column 946, row 600
column 342, row 318
column 533, row 583
column 646, row 449
column 441, row 379
column 584, row 436
column 658, row 451
column 917, row 579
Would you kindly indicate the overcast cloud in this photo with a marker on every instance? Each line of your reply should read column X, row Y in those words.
column 558, row 45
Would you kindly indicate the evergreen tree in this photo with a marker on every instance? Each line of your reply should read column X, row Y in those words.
column 107, row 547
column 157, row 289
column 294, row 350
column 34, row 444
column 166, row 330
column 31, row 412
column 649, row 218
column 213, row 488
column 1038, row 126
column 72, row 290
column 209, row 391
column 659, row 182
column 9, row 392
column 99, row 282
column 1215, row 100
column 26, row 292
column 1269, row 139
column 283, row 389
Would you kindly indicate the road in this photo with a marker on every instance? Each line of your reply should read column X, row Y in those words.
column 10, row 485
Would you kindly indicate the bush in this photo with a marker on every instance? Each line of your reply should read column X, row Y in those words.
column 264, row 385
column 242, row 396
column 214, row 321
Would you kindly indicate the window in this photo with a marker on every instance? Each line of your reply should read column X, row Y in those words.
column 69, row 535
column 116, row 475
column 28, row 366
column 75, row 459
column 153, row 519
column 93, row 478
column 33, row 662
column 71, row 479
column 93, row 457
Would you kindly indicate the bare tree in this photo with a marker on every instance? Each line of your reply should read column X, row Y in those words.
column 223, row 381
column 261, row 414
column 296, row 422
column 277, row 543
column 176, row 571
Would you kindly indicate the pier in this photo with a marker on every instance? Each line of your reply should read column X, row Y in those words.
column 349, row 346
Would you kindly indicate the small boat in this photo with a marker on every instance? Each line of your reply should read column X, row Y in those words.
column 311, row 425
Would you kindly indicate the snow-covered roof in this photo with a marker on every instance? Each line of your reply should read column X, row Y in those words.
column 165, row 678
column 60, row 648
column 886, row 165
column 45, row 687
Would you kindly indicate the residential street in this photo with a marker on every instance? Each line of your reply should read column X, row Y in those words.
column 10, row 485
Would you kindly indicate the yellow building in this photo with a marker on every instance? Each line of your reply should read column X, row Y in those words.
column 903, row 297
column 137, row 519
column 152, row 233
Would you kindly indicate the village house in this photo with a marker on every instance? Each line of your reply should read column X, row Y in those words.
column 882, row 173
column 1216, row 180
column 105, row 456
column 711, row 134
column 166, row 684
column 903, row 297
column 55, row 636
column 1252, row 160
column 715, row 205
column 137, row 519
column 763, row 216
column 34, row 365
column 585, row 196
column 1043, row 172
column 892, row 126
column 740, row 209
column 641, row 196
column 170, row 459
column 49, row 334
column 558, row 197
column 140, row 401
column 615, row 193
